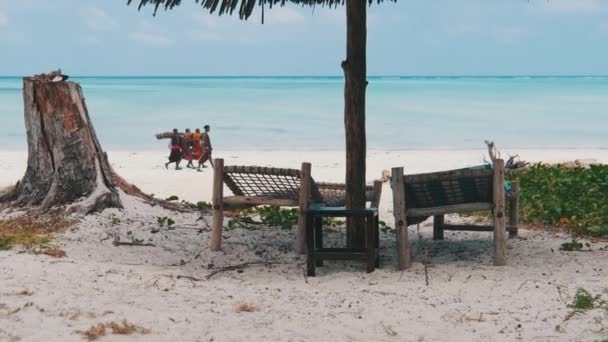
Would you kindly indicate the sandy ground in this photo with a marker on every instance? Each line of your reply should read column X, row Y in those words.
column 146, row 168
column 171, row 290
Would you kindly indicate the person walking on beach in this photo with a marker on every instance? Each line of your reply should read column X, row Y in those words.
column 206, row 142
column 197, row 150
column 176, row 150
column 187, row 148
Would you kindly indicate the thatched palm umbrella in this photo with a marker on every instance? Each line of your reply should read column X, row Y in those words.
column 355, row 74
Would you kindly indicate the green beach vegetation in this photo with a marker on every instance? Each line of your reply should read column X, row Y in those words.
column 571, row 197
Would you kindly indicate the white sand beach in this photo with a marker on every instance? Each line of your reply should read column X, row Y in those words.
column 170, row 290
column 146, row 168
column 101, row 241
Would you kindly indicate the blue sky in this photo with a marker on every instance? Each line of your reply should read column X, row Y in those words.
column 410, row 37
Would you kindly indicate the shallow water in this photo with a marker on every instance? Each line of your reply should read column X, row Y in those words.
column 307, row 112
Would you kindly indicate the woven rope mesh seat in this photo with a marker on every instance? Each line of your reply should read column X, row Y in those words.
column 447, row 188
column 279, row 183
column 481, row 188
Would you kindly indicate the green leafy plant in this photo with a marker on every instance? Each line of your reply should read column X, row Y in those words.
column 386, row 229
column 115, row 220
column 172, row 198
column 576, row 197
column 269, row 215
column 571, row 246
column 164, row 220
column 203, row 205
column 584, row 301
column 274, row 216
column 284, row 218
column 598, row 230
column 199, row 205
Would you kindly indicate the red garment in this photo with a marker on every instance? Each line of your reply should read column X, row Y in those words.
column 186, row 151
column 197, row 151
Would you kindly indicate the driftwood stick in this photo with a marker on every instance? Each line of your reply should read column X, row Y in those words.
column 238, row 267
column 513, row 163
column 188, row 277
column 118, row 243
column 183, row 262
column 492, row 151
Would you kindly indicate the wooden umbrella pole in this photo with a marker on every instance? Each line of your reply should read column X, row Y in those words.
column 355, row 71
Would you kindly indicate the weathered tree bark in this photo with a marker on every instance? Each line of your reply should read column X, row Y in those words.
column 66, row 165
column 355, row 74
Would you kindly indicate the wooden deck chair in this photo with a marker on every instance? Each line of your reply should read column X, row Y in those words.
column 417, row 197
column 254, row 185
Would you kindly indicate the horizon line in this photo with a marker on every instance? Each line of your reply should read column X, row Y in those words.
column 328, row 76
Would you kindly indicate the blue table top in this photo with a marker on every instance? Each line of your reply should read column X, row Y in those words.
column 321, row 208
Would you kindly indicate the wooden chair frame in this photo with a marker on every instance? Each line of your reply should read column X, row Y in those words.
column 308, row 192
column 405, row 216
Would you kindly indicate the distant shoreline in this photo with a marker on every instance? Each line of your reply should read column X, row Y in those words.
column 23, row 149
column 341, row 77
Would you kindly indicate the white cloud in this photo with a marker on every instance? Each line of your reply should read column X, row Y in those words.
column 569, row 6
column 98, row 20
column 150, row 39
column 283, row 15
column 3, row 19
column 207, row 20
column 335, row 16
column 205, row 36
column 208, row 27
column 502, row 35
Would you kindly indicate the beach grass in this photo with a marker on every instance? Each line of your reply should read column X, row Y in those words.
column 31, row 230
column 9, row 241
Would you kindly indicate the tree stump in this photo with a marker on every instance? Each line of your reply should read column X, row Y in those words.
column 66, row 164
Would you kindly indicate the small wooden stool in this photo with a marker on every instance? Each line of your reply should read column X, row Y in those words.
column 314, row 238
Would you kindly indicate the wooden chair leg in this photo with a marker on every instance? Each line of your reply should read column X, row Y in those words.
column 377, row 232
column 514, row 210
column 399, row 211
column 318, row 223
column 370, row 243
column 438, row 221
column 305, row 183
column 215, row 242
column 310, row 246
column 500, row 223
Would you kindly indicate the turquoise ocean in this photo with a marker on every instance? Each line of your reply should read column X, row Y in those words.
column 306, row 113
